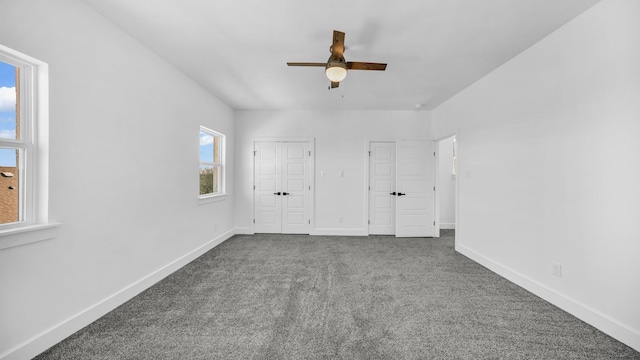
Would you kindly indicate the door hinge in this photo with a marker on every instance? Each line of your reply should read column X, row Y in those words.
column 369, row 187
column 369, row 222
column 369, row 152
column 309, row 152
column 434, row 188
column 434, row 223
column 434, row 153
column 309, row 221
column 254, row 187
column 254, row 221
column 254, row 152
column 309, row 187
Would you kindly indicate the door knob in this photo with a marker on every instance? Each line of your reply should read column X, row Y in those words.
column 400, row 194
column 393, row 193
column 278, row 193
column 285, row 193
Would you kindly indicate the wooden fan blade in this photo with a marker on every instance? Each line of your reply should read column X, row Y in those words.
column 334, row 84
column 356, row 65
column 337, row 49
column 306, row 64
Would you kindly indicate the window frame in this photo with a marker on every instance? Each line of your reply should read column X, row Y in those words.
column 220, row 165
column 24, row 144
column 33, row 170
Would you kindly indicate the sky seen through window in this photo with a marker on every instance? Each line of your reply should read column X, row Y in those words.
column 7, row 111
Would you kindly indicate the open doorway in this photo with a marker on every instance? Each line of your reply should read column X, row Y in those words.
column 446, row 170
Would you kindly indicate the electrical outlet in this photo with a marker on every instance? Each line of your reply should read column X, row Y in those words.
column 556, row 269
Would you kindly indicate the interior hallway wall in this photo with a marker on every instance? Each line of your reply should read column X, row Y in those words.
column 340, row 138
column 123, row 174
column 549, row 167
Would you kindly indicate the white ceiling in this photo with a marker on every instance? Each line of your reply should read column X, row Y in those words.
column 238, row 49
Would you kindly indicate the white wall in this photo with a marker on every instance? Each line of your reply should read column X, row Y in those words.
column 549, row 167
column 446, row 184
column 340, row 138
column 123, row 175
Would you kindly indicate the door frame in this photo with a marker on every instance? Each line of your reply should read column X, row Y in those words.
column 312, row 177
column 437, row 183
column 367, row 160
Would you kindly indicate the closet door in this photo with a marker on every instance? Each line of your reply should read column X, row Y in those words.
column 295, row 187
column 282, row 187
column 415, row 215
column 382, row 187
column 268, row 191
column 401, row 189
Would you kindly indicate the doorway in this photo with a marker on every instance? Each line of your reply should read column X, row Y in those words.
column 282, row 187
column 401, row 188
column 446, row 169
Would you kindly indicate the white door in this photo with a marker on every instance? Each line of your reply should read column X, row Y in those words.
column 382, row 182
column 415, row 203
column 295, row 187
column 282, row 187
column 268, row 191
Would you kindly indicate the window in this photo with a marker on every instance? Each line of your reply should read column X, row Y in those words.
column 211, row 163
column 23, row 144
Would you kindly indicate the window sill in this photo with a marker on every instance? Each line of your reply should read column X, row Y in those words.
column 27, row 234
column 211, row 198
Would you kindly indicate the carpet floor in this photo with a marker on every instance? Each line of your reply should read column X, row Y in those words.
column 304, row 297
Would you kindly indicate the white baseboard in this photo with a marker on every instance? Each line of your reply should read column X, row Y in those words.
column 339, row 232
column 244, row 231
column 593, row 317
column 448, row 226
column 322, row 231
column 61, row 331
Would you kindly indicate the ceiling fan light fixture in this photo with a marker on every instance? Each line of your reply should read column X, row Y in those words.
column 336, row 71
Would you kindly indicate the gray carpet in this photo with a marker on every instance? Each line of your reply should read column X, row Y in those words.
column 302, row 297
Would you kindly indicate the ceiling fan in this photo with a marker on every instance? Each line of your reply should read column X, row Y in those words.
column 336, row 67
